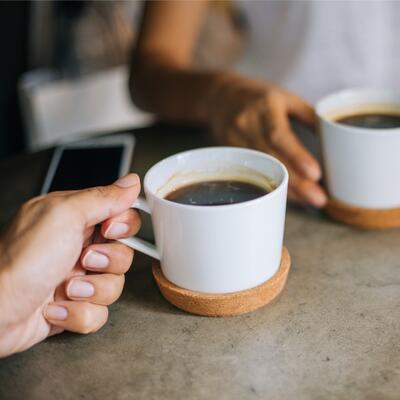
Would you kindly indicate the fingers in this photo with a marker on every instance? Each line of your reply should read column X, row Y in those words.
column 301, row 189
column 90, row 294
column 123, row 225
column 281, row 137
column 100, row 203
column 76, row 316
column 264, row 125
column 102, row 289
column 300, row 109
column 306, row 191
column 112, row 257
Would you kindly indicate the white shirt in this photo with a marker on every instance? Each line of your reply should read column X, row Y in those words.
column 317, row 47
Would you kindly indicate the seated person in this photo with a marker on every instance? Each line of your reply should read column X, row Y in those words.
column 312, row 48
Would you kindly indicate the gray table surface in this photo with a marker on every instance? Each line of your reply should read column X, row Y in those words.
column 332, row 334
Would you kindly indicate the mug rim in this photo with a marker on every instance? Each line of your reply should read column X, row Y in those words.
column 357, row 129
column 203, row 208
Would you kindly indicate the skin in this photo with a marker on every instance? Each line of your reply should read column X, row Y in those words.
column 240, row 111
column 60, row 266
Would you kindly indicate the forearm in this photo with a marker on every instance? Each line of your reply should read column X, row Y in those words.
column 175, row 93
column 163, row 79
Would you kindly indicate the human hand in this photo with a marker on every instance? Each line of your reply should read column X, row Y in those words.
column 58, row 271
column 255, row 114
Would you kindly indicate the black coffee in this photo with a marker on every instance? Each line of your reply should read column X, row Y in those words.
column 371, row 120
column 216, row 193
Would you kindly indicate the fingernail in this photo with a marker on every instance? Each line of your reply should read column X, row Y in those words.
column 318, row 199
column 93, row 259
column 55, row 312
column 312, row 172
column 78, row 288
column 116, row 230
column 128, row 181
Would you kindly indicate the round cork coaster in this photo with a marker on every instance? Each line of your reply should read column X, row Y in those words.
column 227, row 304
column 364, row 218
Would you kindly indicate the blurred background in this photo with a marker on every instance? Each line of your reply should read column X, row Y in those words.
column 60, row 58
column 65, row 64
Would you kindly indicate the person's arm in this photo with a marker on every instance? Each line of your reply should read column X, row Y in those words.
column 163, row 80
column 239, row 111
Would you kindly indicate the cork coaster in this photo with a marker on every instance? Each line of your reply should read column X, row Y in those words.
column 227, row 304
column 364, row 218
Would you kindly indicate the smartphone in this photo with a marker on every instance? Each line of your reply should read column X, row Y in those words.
column 94, row 162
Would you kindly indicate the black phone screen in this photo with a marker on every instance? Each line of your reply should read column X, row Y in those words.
column 87, row 167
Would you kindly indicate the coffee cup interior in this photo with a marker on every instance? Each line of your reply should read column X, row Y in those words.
column 357, row 102
column 215, row 163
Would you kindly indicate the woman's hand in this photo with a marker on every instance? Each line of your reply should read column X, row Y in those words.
column 255, row 114
column 58, row 269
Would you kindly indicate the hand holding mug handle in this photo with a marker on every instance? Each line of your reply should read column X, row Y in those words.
column 139, row 244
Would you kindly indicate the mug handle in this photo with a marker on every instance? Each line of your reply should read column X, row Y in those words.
column 139, row 244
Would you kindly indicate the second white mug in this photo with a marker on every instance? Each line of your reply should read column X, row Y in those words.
column 361, row 165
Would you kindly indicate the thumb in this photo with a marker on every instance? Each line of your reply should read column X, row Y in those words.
column 102, row 202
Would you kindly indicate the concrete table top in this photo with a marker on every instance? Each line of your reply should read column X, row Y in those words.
column 334, row 333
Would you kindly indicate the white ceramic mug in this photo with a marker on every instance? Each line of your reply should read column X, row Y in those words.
column 361, row 165
column 215, row 249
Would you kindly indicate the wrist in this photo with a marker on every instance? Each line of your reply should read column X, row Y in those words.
column 213, row 97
